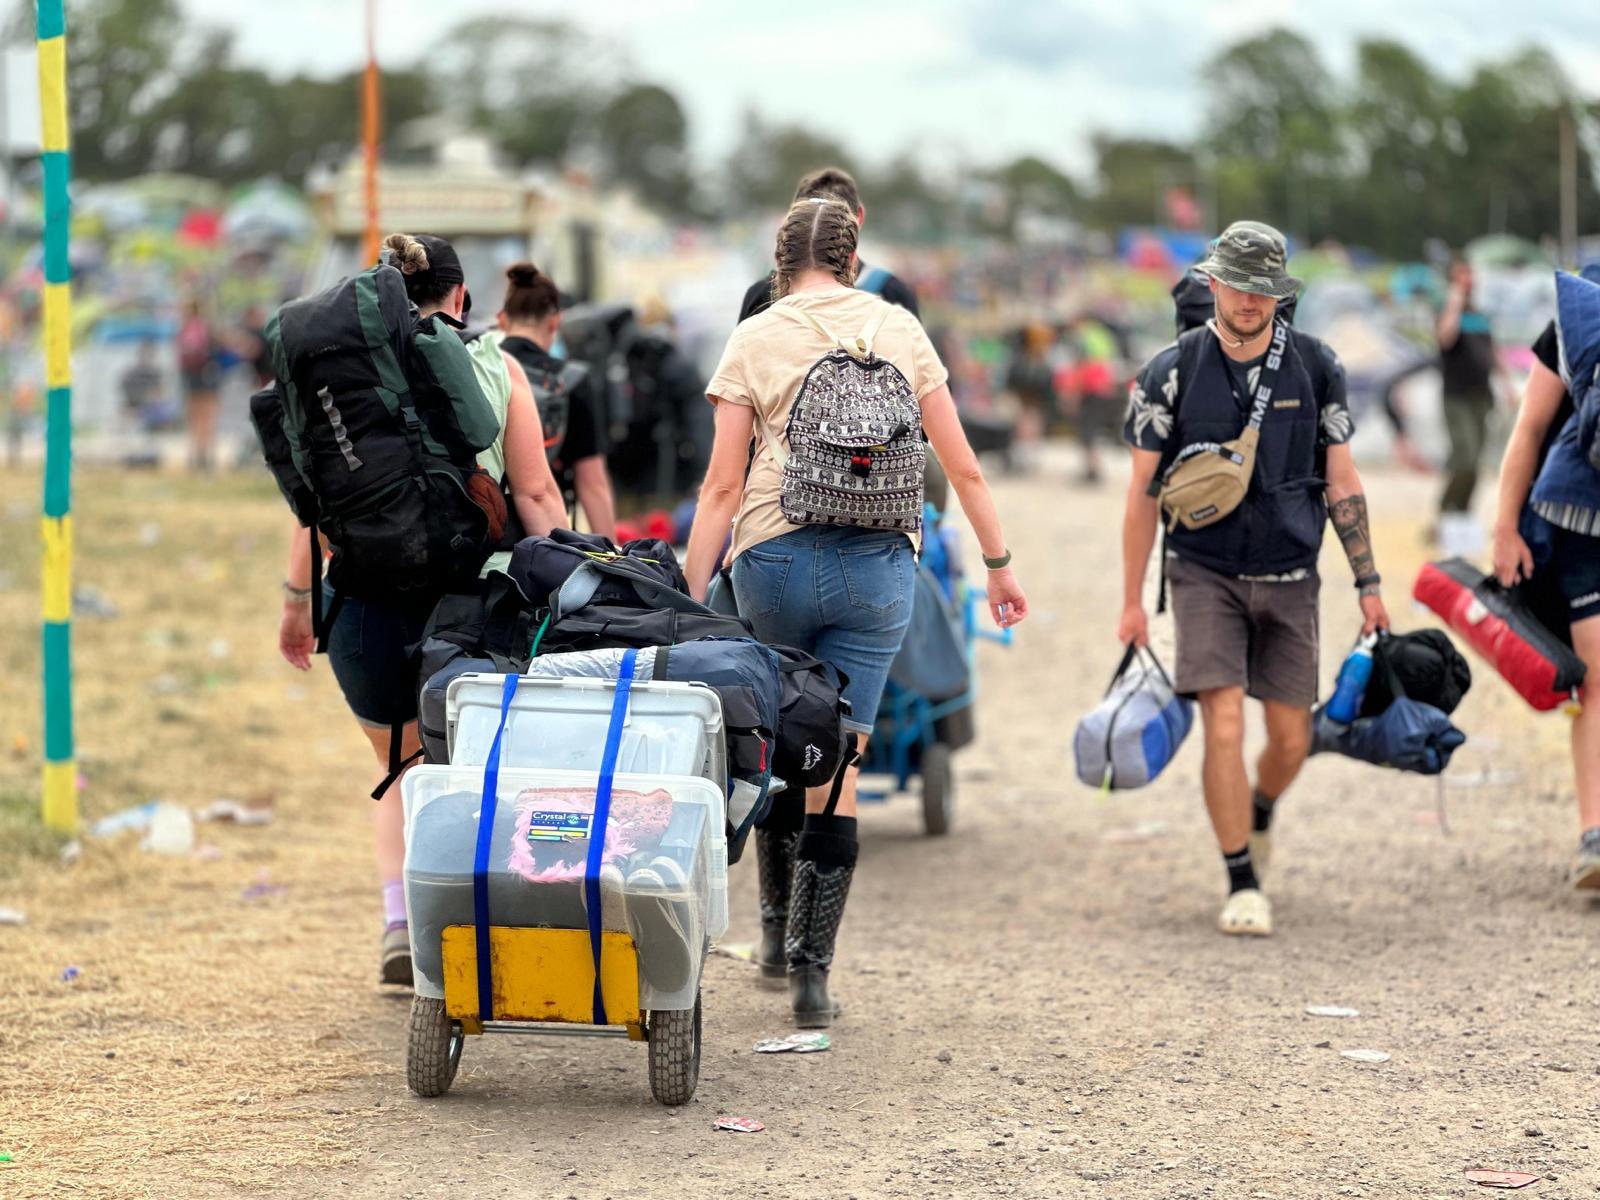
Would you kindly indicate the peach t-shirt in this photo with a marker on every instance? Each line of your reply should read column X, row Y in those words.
column 766, row 361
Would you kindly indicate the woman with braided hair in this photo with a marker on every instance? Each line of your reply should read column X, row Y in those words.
column 825, row 535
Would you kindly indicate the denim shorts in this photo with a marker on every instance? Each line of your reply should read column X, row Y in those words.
column 367, row 646
column 840, row 593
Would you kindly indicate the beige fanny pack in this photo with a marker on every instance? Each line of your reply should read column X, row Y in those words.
column 1208, row 481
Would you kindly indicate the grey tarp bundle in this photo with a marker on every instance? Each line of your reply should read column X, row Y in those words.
column 932, row 661
column 1131, row 735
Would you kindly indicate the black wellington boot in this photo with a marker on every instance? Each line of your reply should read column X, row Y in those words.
column 824, row 865
column 774, row 870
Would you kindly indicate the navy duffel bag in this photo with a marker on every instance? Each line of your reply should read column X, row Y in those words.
column 1408, row 735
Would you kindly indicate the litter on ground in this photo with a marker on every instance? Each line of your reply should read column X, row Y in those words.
column 255, row 811
column 795, row 1043
column 128, row 820
column 1142, row 831
column 1365, row 1056
column 1502, row 1179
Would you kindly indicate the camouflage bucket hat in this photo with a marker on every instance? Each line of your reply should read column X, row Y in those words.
column 1251, row 257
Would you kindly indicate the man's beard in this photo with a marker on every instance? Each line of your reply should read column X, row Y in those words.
column 1238, row 334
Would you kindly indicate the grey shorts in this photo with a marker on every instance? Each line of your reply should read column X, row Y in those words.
column 1258, row 636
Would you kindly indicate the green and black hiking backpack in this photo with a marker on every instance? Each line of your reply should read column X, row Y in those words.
column 372, row 431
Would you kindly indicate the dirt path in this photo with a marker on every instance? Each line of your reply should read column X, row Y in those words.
column 1037, row 1005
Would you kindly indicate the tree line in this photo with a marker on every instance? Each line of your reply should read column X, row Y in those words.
column 1388, row 157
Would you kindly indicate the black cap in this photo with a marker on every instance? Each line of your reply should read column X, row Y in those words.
column 444, row 265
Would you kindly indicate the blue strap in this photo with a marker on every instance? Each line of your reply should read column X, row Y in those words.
column 872, row 279
column 480, row 862
column 602, row 813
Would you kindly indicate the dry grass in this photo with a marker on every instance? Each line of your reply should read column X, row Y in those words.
column 180, row 1060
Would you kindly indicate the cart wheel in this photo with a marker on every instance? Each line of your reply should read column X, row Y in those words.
column 938, row 790
column 958, row 730
column 675, row 1054
column 434, row 1050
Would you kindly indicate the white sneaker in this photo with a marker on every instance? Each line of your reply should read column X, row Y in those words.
column 1246, row 914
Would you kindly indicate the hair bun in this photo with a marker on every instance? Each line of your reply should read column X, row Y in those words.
column 523, row 274
column 409, row 254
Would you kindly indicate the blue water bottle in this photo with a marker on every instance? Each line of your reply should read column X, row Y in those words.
column 1351, row 689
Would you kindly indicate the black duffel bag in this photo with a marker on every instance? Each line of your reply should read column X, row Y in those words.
column 647, row 612
column 812, row 738
column 1427, row 664
column 541, row 565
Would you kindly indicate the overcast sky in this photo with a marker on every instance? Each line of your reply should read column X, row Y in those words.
column 982, row 80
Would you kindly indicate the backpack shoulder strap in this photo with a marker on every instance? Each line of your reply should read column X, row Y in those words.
column 806, row 317
column 1191, row 343
column 864, row 339
column 1309, row 350
column 873, row 279
column 779, row 453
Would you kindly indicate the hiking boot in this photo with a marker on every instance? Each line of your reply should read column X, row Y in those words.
column 1586, row 867
column 1246, row 914
column 816, row 907
column 774, row 869
column 395, row 956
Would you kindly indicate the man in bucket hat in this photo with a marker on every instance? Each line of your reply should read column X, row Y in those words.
column 1243, row 571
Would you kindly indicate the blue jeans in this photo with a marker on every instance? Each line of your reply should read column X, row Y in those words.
column 840, row 593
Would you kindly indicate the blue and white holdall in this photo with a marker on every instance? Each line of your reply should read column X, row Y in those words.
column 1133, row 733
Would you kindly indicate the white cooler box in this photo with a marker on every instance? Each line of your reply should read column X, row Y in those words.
column 665, row 882
column 671, row 729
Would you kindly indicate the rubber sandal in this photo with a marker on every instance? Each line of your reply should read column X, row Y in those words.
column 1246, row 914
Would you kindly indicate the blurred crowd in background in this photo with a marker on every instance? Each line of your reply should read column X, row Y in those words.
column 207, row 193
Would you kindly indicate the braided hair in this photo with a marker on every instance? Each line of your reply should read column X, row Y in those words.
column 818, row 233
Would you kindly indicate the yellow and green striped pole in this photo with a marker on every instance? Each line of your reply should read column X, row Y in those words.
column 60, row 808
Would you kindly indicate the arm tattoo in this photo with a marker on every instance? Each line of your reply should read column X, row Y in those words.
column 1349, row 518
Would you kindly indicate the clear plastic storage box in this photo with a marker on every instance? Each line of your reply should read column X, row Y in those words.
column 671, row 729
column 664, row 879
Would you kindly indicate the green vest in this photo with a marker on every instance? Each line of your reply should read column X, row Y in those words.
column 489, row 364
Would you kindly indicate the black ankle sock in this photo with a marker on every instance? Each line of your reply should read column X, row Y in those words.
column 1261, row 809
column 1241, row 871
column 828, row 841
